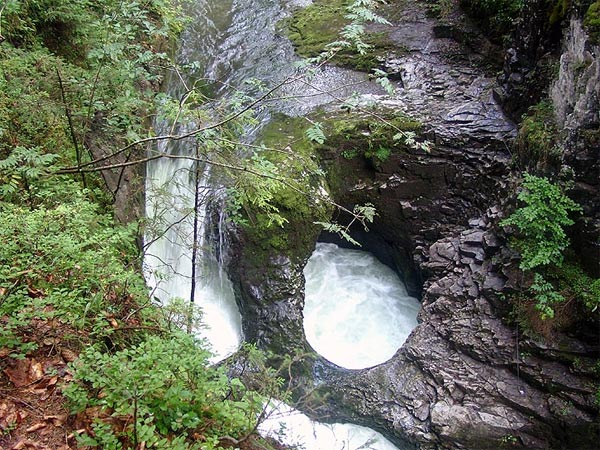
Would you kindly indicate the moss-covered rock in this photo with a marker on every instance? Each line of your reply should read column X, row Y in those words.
column 300, row 200
column 375, row 140
column 537, row 142
column 592, row 21
column 312, row 28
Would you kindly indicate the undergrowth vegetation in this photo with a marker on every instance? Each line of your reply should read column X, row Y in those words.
column 542, row 241
column 75, row 74
column 164, row 393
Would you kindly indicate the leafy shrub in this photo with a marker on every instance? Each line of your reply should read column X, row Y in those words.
column 574, row 283
column 64, row 261
column 378, row 155
column 542, row 239
column 161, row 392
column 545, row 296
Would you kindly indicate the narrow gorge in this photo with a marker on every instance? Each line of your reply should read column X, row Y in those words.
column 472, row 374
column 300, row 224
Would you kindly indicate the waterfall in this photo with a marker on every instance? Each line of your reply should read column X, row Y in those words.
column 228, row 42
column 173, row 186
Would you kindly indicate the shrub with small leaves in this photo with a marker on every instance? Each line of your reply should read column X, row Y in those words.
column 545, row 296
column 161, row 391
column 542, row 238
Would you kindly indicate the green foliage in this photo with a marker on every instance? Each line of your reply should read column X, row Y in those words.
column 574, row 283
column 31, row 113
column 375, row 139
column 441, row 8
column 496, row 16
column 102, row 73
column 542, row 239
column 545, row 296
column 66, row 262
column 382, row 79
column 542, row 242
column 378, row 155
column 315, row 133
column 558, row 11
column 166, row 391
column 592, row 21
column 21, row 173
column 538, row 136
column 363, row 214
column 350, row 154
column 293, row 185
column 54, row 23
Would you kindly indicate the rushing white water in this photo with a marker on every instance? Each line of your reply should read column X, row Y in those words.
column 170, row 194
column 294, row 429
column 357, row 312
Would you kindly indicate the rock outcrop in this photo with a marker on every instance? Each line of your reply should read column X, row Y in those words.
column 467, row 377
column 576, row 98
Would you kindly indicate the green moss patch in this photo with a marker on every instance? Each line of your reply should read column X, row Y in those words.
column 373, row 139
column 312, row 28
column 592, row 21
column 538, row 136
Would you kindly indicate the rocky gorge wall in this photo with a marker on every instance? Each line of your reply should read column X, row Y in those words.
column 467, row 377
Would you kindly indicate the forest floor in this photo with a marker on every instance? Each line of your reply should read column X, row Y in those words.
column 33, row 412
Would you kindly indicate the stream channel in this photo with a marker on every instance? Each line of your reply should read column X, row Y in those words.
column 357, row 312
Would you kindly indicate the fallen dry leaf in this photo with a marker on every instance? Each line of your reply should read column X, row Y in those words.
column 25, row 443
column 18, row 374
column 36, row 371
column 10, row 416
column 57, row 421
column 49, row 341
column 4, row 352
column 68, row 355
column 46, row 395
column 37, row 426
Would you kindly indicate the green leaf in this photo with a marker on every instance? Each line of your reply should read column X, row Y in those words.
column 315, row 133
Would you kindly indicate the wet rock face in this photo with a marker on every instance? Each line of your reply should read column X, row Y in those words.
column 528, row 60
column 272, row 301
column 466, row 379
column 576, row 98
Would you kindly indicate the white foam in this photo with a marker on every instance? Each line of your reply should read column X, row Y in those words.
column 292, row 428
column 357, row 312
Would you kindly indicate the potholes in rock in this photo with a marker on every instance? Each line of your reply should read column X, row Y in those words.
column 357, row 311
